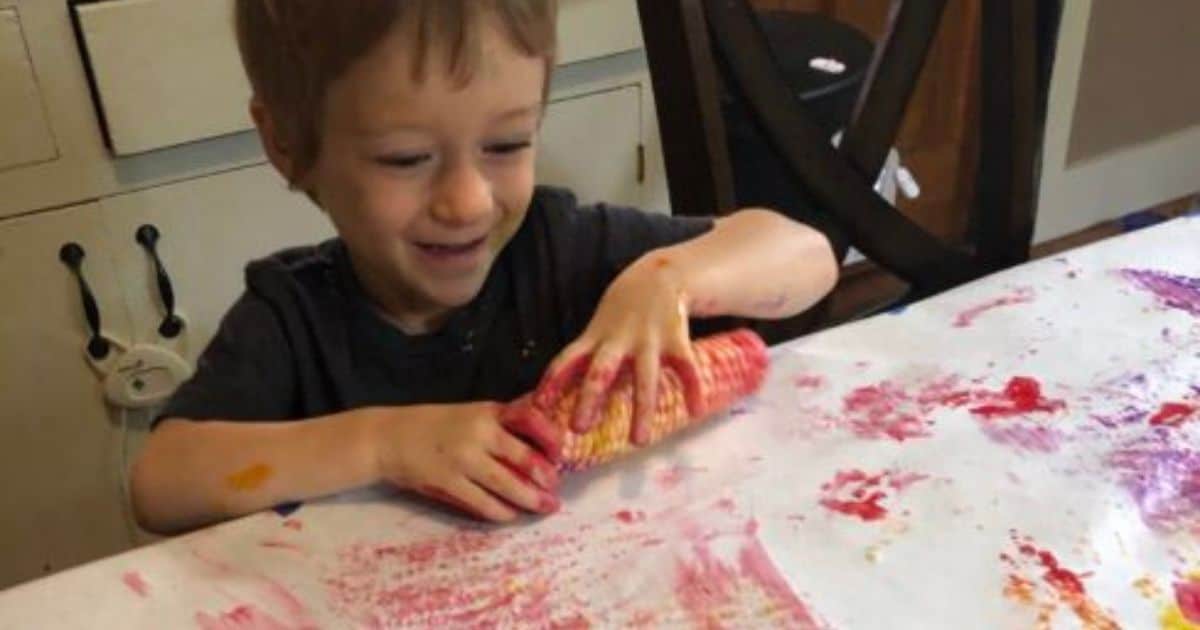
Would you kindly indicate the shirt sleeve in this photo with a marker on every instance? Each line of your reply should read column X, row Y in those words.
column 245, row 373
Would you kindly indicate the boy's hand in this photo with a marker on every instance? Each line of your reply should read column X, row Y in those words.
column 640, row 324
column 468, row 456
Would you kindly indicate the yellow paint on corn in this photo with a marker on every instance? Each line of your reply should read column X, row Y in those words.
column 251, row 478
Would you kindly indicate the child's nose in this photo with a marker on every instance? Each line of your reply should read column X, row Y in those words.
column 464, row 197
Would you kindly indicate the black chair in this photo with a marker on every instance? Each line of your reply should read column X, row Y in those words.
column 699, row 50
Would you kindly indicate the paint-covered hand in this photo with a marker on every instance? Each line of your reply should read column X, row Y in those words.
column 471, row 457
column 640, row 327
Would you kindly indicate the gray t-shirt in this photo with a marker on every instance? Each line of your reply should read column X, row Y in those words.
column 304, row 341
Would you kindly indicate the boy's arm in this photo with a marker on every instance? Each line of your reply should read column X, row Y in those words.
column 754, row 263
column 191, row 474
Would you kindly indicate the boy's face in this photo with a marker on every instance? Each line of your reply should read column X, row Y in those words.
column 427, row 181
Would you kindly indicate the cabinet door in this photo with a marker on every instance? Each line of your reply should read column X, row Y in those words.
column 59, row 447
column 592, row 145
column 25, row 136
column 209, row 228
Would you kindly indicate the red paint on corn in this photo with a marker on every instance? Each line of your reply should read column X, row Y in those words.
column 1174, row 414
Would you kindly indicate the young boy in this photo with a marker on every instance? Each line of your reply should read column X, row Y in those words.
column 454, row 285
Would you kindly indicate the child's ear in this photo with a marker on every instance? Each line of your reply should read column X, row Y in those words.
column 273, row 143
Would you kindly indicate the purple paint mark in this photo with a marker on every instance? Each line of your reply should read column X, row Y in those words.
column 1172, row 291
column 1028, row 437
column 1126, row 416
column 1164, row 479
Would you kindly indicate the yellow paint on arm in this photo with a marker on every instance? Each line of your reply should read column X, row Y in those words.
column 249, row 479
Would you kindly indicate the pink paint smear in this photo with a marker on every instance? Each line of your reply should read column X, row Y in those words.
column 136, row 583
column 964, row 319
column 713, row 592
column 887, row 410
column 1187, row 597
column 244, row 617
column 859, row 494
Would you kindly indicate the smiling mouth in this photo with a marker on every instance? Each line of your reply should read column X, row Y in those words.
column 449, row 250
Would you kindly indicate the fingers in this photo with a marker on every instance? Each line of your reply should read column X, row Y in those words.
column 499, row 480
column 526, row 462
column 645, row 393
column 607, row 364
column 469, row 498
column 681, row 358
column 527, row 422
column 566, row 371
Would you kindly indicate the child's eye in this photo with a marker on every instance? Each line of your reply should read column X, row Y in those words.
column 404, row 160
column 506, row 148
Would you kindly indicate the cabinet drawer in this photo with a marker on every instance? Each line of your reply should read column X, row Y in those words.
column 25, row 136
column 165, row 71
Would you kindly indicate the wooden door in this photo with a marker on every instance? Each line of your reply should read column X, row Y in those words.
column 939, row 139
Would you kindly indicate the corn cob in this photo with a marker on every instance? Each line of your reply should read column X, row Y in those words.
column 730, row 365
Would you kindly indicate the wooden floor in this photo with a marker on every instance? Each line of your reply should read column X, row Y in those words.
column 863, row 286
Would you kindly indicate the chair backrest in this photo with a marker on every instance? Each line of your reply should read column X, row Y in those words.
column 695, row 47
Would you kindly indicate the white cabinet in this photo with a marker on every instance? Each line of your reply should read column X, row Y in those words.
column 61, row 447
column 592, row 144
column 25, row 136
column 58, row 451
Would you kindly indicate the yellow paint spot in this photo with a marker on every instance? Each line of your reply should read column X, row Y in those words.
column 251, row 478
column 1173, row 619
column 1146, row 586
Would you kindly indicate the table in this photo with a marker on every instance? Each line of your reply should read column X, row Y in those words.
column 1021, row 452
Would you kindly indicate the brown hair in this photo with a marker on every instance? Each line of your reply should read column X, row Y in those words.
column 293, row 49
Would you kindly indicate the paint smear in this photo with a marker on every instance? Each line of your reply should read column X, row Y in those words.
column 670, row 478
column 964, row 319
column 136, row 583
column 295, row 524
column 628, row 516
column 1174, row 414
column 887, row 410
column 281, row 544
column 1037, row 579
column 1023, row 436
column 244, row 617
column 859, row 494
column 1173, row 291
column 809, row 381
column 1185, row 613
column 249, row 479
column 1164, row 479
column 717, row 594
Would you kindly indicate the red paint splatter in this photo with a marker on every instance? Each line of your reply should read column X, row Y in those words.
column 1187, row 597
column 856, row 493
column 884, row 410
column 968, row 317
column 809, row 381
column 1058, row 585
column 136, row 583
column 244, row 617
column 279, row 544
column 627, row 516
column 1021, row 396
column 712, row 591
column 669, row 478
column 726, row 505
column 295, row 524
column 1174, row 414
